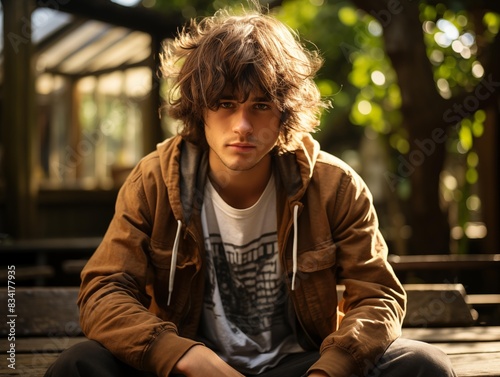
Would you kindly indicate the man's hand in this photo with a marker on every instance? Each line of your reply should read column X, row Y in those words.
column 202, row 361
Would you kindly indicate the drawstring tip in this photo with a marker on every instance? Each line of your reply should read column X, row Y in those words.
column 169, row 297
column 173, row 262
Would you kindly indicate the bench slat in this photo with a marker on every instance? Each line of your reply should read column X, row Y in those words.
column 29, row 365
column 469, row 348
column 437, row 305
column 454, row 334
column 477, row 365
column 43, row 344
column 444, row 261
column 44, row 311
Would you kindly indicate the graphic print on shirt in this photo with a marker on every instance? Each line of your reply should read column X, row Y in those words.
column 249, row 282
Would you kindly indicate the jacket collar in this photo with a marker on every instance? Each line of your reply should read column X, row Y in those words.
column 296, row 168
column 194, row 173
column 185, row 169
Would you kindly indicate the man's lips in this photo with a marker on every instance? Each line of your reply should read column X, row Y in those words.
column 242, row 146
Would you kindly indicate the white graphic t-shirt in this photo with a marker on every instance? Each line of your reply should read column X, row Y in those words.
column 244, row 308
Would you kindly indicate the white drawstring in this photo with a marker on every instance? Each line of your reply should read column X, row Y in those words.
column 294, row 248
column 173, row 262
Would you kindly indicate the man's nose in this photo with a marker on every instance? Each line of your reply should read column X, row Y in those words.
column 242, row 122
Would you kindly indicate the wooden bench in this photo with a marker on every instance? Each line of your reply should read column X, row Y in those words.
column 46, row 323
column 43, row 323
column 48, row 261
column 444, row 261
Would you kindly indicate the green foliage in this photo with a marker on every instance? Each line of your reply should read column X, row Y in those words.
column 453, row 49
column 349, row 41
column 451, row 39
column 197, row 8
column 191, row 8
column 356, row 64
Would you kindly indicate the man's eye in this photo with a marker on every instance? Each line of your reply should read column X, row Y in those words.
column 225, row 105
column 262, row 106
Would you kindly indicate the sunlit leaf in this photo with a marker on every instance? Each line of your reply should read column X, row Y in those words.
column 465, row 135
column 472, row 159
column 477, row 129
column 348, row 16
column 471, row 175
column 492, row 22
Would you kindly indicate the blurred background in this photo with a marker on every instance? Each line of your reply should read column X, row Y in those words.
column 414, row 85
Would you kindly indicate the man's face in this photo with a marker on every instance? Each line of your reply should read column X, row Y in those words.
column 240, row 135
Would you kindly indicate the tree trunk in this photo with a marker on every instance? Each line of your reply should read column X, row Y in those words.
column 422, row 109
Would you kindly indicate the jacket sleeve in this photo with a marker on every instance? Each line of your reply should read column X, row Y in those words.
column 113, row 299
column 374, row 300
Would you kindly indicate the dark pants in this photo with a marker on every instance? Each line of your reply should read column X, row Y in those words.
column 404, row 358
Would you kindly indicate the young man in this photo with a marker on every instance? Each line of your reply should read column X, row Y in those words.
column 229, row 240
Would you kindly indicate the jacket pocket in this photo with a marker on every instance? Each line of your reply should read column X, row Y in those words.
column 161, row 256
column 160, row 259
column 321, row 258
column 315, row 294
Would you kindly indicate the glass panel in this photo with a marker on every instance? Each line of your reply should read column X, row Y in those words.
column 92, row 86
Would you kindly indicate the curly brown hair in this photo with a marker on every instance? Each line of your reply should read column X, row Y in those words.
column 247, row 52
